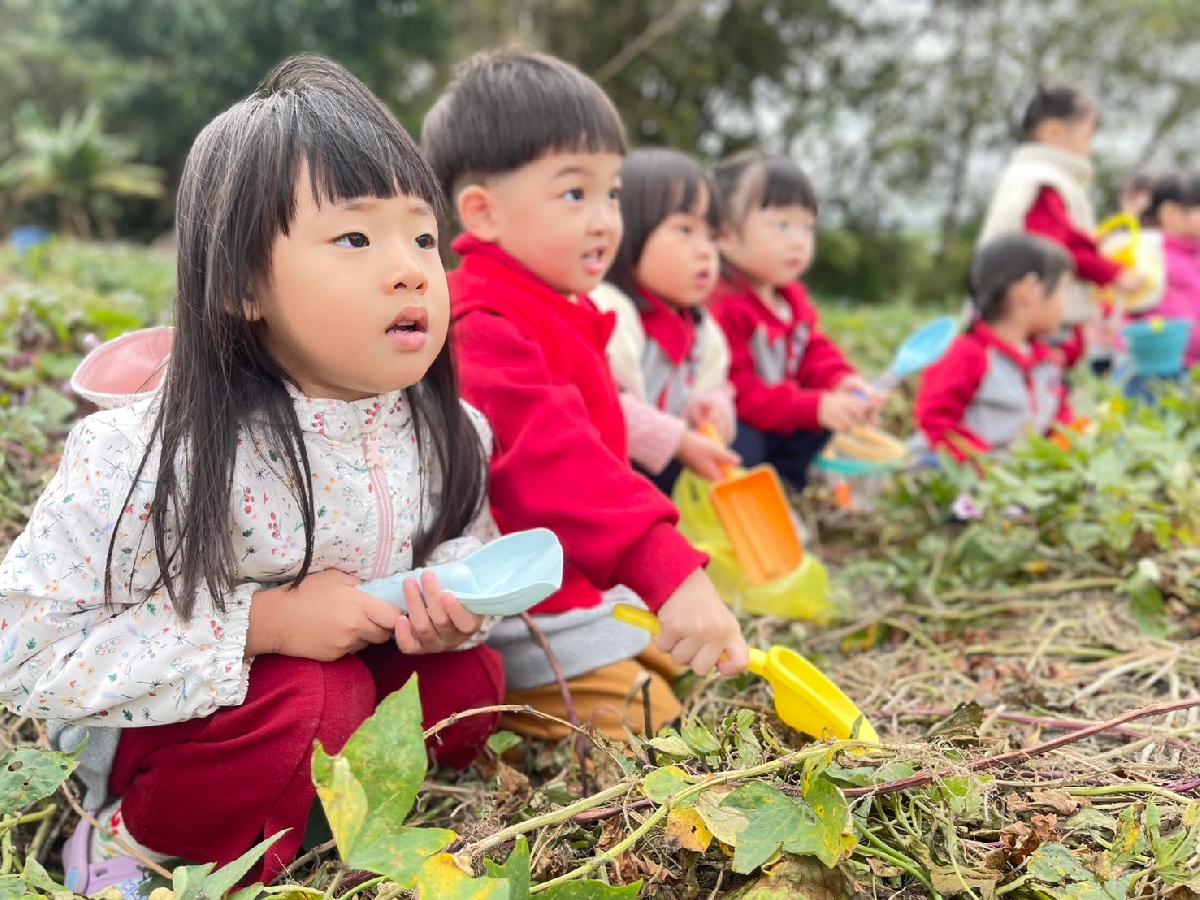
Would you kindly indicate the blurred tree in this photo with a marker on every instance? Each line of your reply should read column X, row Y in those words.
column 79, row 167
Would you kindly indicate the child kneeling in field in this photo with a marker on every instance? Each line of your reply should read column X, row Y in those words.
column 530, row 150
column 1001, row 379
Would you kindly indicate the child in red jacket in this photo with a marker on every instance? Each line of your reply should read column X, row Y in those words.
column 793, row 385
column 529, row 151
column 1001, row 380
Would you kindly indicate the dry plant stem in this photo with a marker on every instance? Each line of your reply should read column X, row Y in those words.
column 1017, row 755
column 1052, row 724
column 608, row 812
column 687, row 793
column 582, row 742
column 1045, row 589
column 69, row 793
column 551, row 818
column 304, row 860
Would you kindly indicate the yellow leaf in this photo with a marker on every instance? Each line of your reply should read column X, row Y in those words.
column 443, row 876
column 1036, row 567
column 342, row 796
column 687, row 828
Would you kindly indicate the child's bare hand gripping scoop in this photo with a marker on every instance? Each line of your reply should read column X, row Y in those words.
column 699, row 631
column 436, row 621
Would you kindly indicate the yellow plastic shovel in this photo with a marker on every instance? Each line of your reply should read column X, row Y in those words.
column 805, row 698
column 755, row 515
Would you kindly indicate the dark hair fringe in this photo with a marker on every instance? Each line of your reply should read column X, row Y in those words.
column 656, row 183
column 506, row 108
column 237, row 193
column 1050, row 102
column 1182, row 188
column 1002, row 262
column 756, row 180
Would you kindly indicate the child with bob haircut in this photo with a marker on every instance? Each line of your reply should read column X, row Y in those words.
column 186, row 588
column 793, row 385
column 529, row 150
column 1044, row 191
column 1175, row 209
column 667, row 353
column 1001, row 379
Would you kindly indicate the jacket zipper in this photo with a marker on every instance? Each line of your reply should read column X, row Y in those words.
column 383, row 504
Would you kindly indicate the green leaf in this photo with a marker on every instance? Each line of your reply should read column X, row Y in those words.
column 516, row 872
column 441, row 875
column 220, row 882
column 29, row 774
column 699, row 738
column 774, row 821
column 368, row 790
column 36, row 876
column 835, row 831
column 503, row 741
column 670, row 742
column 662, row 784
column 1129, row 841
column 1054, row 864
column 1146, row 604
column 725, row 824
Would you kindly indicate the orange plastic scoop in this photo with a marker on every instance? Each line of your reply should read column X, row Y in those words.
column 805, row 698
column 754, row 512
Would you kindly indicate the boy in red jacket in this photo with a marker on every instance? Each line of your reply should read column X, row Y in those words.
column 793, row 385
column 529, row 150
column 1001, row 380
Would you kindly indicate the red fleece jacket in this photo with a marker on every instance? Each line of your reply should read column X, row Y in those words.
column 1048, row 217
column 948, row 388
column 811, row 367
column 533, row 362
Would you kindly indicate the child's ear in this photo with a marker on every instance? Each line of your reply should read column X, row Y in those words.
column 726, row 239
column 476, row 206
column 1025, row 291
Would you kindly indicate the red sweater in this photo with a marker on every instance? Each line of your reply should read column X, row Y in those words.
column 1048, row 217
column 533, row 362
column 985, row 393
column 779, row 369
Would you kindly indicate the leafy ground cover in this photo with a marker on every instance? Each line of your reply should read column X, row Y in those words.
column 1034, row 675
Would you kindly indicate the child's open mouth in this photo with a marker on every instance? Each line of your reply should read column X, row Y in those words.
column 595, row 262
column 409, row 330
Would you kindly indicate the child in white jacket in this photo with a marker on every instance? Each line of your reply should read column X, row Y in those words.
column 190, row 574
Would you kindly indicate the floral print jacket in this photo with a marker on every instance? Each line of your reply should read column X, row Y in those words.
column 65, row 654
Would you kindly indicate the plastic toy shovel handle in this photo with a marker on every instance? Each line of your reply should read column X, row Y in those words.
column 709, row 430
column 648, row 621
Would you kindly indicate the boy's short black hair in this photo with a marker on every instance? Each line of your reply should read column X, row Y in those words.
column 656, row 183
column 1063, row 102
column 1182, row 188
column 755, row 180
column 1002, row 262
column 506, row 108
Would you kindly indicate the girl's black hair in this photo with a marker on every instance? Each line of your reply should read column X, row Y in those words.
column 1002, row 262
column 1182, row 188
column 755, row 180
column 1063, row 102
column 655, row 184
column 238, row 192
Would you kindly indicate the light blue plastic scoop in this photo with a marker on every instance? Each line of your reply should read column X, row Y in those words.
column 504, row 578
column 919, row 351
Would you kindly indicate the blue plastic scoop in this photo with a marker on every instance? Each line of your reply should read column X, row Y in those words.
column 504, row 578
column 919, row 351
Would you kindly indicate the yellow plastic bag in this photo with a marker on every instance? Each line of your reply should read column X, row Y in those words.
column 1122, row 240
column 803, row 593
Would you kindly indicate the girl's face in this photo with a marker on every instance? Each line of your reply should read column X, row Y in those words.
column 357, row 302
column 679, row 260
column 774, row 245
column 1074, row 135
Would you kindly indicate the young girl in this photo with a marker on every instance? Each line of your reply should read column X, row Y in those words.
column 793, row 384
column 1044, row 191
column 1175, row 210
column 189, row 576
column 668, row 356
column 1001, row 379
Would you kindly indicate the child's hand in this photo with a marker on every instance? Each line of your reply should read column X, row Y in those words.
column 436, row 621
column 856, row 384
column 705, row 457
column 1130, row 281
column 698, row 629
column 842, row 410
column 325, row 618
column 715, row 414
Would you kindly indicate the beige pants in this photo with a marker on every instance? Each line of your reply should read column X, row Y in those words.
column 609, row 699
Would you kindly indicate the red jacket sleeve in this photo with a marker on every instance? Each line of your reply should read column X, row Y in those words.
column 947, row 389
column 1049, row 218
column 551, row 469
column 774, row 408
column 823, row 366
